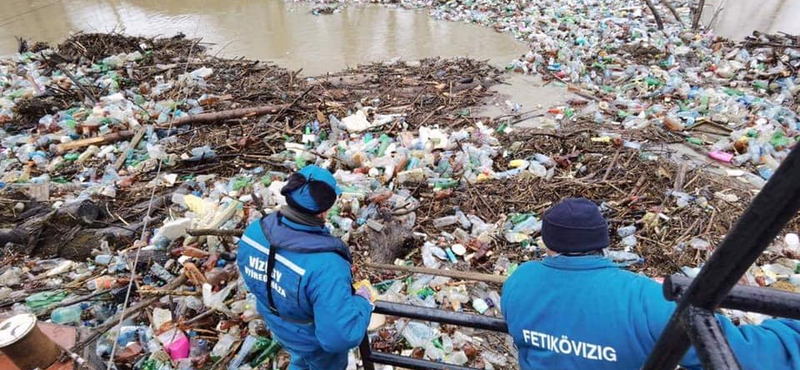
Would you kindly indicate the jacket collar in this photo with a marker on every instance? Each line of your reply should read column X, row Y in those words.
column 301, row 227
column 578, row 262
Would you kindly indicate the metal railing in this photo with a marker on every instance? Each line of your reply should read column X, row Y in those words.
column 426, row 314
column 693, row 322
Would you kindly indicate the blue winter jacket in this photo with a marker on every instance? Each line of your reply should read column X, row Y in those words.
column 311, row 286
column 586, row 313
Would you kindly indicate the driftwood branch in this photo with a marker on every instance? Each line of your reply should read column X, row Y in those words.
column 653, row 9
column 99, row 140
column 113, row 321
column 79, row 84
column 216, row 232
column 673, row 11
column 225, row 115
column 134, row 142
column 499, row 279
column 698, row 14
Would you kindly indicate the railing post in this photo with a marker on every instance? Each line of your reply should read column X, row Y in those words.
column 709, row 340
column 767, row 301
column 770, row 210
column 366, row 353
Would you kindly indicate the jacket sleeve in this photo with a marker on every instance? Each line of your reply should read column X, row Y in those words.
column 341, row 318
column 775, row 344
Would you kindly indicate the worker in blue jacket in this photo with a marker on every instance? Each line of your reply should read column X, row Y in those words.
column 300, row 275
column 577, row 310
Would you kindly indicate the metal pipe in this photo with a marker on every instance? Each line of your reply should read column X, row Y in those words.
column 744, row 298
column 366, row 353
column 413, row 363
column 709, row 340
column 441, row 316
column 776, row 203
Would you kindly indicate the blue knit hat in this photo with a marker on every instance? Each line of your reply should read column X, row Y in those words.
column 575, row 225
column 311, row 190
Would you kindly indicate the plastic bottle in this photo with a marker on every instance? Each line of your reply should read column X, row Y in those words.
column 445, row 221
column 537, row 169
column 699, row 244
column 792, row 241
column 267, row 353
column 44, row 299
column 624, row 258
column 12, row 276
column 626, row 231
column 494, row 358
column 199, row 347
column 433, row 353
column 428, row 259
column 223, row 346
column 67, row 315
column 101, row 283
column 462, row 219
column 459, row 358
column 529, row 226
column 244, row 350
column 417, row 334
column 366, row 213
column 629, row 241
column 480, row 305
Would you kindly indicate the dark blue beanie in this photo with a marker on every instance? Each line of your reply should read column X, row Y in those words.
column 575, row 225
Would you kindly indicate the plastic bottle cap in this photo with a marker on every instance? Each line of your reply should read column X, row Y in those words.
column 16, row 328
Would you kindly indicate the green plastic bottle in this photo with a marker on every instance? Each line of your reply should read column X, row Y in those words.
column 44, row 299
column 268, row 353
column 385, row 141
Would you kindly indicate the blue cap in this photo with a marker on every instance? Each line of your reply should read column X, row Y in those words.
column 575, row 225
column 302, row 196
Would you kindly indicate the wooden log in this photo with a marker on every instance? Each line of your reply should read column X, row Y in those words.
column 225, row 115
column 653, row 9
column 84, row 212
column 99, row 140
column 673, row 11
column 476, row 276
column 132, row 145
column 216, row 232
column 698, row 14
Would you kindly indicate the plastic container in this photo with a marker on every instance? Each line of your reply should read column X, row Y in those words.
column 67, row 315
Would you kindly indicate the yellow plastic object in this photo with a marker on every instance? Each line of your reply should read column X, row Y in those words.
column 602, row 139
column 373, row 294
column 197, row 204
column 517, row 163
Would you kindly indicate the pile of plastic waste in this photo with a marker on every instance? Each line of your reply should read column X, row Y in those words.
column 156, row 195
column 736, row 101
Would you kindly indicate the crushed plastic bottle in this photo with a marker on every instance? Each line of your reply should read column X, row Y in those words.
column 417, row 334
column 67, row 315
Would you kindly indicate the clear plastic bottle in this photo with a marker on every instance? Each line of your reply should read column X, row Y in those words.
column 244, row 350
column 445, row 221
column 223, row 346
column 626, row 231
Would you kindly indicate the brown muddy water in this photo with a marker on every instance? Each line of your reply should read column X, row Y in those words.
column 288, row 35
column 283, row 33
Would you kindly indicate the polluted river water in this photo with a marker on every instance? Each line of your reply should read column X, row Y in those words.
column 286, row 34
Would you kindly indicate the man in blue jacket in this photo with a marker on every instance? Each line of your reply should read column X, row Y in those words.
column 300, row 275
column 577, row 310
